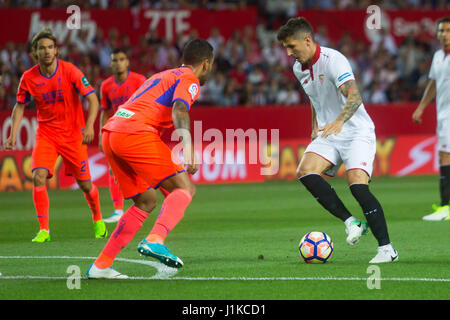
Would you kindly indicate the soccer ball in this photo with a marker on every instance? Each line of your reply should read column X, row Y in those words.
column 316, row 247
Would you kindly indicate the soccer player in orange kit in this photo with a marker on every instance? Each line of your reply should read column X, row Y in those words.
column 55, row 86
column 142, row 162
column 115, row 91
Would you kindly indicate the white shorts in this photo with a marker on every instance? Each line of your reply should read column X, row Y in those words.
column 443, row 134
column 356, row 152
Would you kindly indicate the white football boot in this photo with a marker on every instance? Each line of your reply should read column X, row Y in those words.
column 114, row 217
column 439, row 214
column 107, row 273
column 385, row 254
column 355, row 230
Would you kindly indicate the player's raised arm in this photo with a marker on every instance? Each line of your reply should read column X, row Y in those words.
column 182, row 123
column 16, row 117
column 428, row 95
column 88, row 134
column 349, row 90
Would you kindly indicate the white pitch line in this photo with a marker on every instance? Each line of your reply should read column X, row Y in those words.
column 26, row 277
column 167, row 273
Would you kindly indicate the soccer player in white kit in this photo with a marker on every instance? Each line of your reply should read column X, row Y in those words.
column 439, row 86
column 342, row 132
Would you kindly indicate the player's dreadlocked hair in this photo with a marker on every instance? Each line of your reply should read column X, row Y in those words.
column 293, row 27
column 196, row 51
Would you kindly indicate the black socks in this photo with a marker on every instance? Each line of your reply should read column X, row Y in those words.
column 444, row 184
column 325, row 195
column 372, row 211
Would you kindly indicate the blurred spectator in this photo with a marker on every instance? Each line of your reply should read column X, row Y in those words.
column 257, row 76
column 238, row 74
column 216, row 86
column 321, row 36
column 288, row 95
column 251, row 68
column 230, row 96
column 376, row 94
column 260, row 95
column 216, row 39
column 274, row 54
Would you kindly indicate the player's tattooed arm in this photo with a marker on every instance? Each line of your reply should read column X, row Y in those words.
column 180, row 116
column 182, row 124
column 354, row 100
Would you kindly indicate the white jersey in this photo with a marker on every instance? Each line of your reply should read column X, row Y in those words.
column 440, row 72
column 330, row 69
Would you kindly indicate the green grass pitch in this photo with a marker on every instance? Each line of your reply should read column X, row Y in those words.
column 237, row 242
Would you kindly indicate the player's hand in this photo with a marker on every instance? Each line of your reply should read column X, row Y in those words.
column 331, row 128
column 417, row 116
column 190, row 162
column 88, row 135
column 10, row 143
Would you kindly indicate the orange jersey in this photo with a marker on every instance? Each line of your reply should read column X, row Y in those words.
column 113, row 93
column 150, row 108
column 57, row 98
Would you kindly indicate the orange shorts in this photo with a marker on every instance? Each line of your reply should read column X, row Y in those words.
column 139, row 161
column 74, row 154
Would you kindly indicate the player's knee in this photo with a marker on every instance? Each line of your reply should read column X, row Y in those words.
column 303, row 170
column 39, row 177
column 85, row 186
column 147, row 205
column 192, row 189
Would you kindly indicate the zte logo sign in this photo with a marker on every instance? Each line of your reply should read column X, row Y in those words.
column 174, row 21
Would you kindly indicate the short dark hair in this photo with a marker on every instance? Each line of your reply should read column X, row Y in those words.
column 294, row 26
column 119, row 50
column 45, row 33
column 196, row 51
column 443, row 20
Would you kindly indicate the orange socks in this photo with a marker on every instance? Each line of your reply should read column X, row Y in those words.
column 116, row 193
column 41, row 203
column 94, row 203
column 172, row 212
column 127, row 227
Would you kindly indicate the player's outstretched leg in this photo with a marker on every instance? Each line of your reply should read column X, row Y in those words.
column 130, row 223
column 325, row 194
column 41, row 204
column 375, row 217
column 309, row 174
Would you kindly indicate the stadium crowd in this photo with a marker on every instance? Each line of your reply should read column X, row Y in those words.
column 250, row 67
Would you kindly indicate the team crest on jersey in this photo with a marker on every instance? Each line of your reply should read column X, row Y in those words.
column 193, row 90
column 321, row 78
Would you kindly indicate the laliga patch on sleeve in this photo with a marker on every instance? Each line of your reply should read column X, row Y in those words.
column 85, row 81
column 193, row 90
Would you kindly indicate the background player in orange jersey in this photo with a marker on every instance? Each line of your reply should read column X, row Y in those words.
column 142, row 162
column 55, row 86
column 114, row 91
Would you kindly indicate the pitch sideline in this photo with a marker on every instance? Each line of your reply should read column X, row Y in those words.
column 167, row 273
